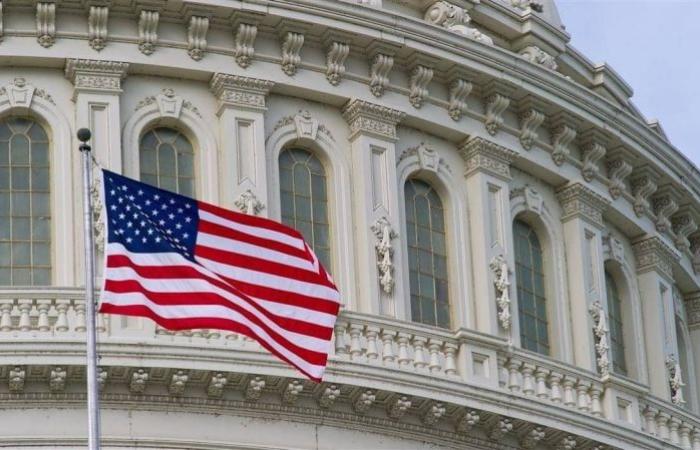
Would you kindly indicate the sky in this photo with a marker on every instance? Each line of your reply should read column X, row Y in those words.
column 653, row 45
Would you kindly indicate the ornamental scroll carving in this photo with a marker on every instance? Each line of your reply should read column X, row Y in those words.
column 538, row 56
column 385, row 234
column 169, row 103
column 499, row 267
column 600, row 333
column 675, row 380
column 454, row 19
column 248, row 203
column 98, row 223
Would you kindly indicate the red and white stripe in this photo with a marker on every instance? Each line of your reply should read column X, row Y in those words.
column 252, row 276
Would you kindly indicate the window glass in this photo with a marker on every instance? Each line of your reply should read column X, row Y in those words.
column 617, row 344
column 166, row 160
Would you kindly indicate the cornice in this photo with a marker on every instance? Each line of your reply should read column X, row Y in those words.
column 652, row 254
column 372, row 119
column 97, row 76
column 483, row 155
column 578, row 200
column 241, row 92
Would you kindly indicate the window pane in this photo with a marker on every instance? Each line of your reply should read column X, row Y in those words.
column 617, row 344
column 427, row 253
column 166, row 160
column 532, row 308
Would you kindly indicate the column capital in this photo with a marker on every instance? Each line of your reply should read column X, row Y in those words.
column 577, row 200
column 372, row 119
column 692, row 309
column 652, row 254
column 241, row 92
column 89, row 75
column 482, row 155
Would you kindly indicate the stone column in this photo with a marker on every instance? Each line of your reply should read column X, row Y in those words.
column 241, row 111
column 376, row 207
column 582, row 222
column 488, row 175
column 655, row 279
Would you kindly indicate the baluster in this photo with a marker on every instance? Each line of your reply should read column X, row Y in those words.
column 555, row 386
column 388, row 356
column 650, row 418
column 434, row 349
column 662, row 419
column 403, row 340
column 418, row 354
column 6, row 314
column 674, row 424
column 339, row 329
column 596, row 407
column 582, row 389
column 355, row 345
column 528, row 386
column 541, row 382
column 372, row 348
column 79, row 307
column 502, row 371
column 513, row 372
column 568, row 383
column 62, row 319
column 450, row 359
column 685, row 436
column 43, row 307
column 25, row 322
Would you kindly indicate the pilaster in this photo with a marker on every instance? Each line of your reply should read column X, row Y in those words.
column 487, row 174
column 242, row 141
column 654, row 261
column 692, row 309
column 582, row 223
column 376, row 207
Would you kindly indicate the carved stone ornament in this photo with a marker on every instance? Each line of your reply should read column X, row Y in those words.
column 96, row 76
column 618, row 171
column 98, row 222
column 397, row 408
column 533, row 199
column 454, row 19
column 328, row 396
column 683, row 225
column 692, row 309
column 578, row 200
column 19, row 93
column 364, row 401
column 148, row 31
column 428, row 158
column 501, row 280
column 567, row 443
column 526, row 5
column 644, row 185
column 592, row 152
column 16, row 379
column 600, row 334
column 563, row 134
column 531, row 439
column 496, row 104
column 459, row 91
column 418, row 90
column 675, row 380
column 500, row 428
column 469, row 420
column 97, row 27
column 652, row 254
column 46, row 23
column 536, row 55
column 244, row 45
column 254, row 389
column 530, row 121
column 480, row 154
column 372, row 119
column 177, row 384
column 291, row 391
column 613, row 248
column 137, row 385
column 216, row 385
column 241, row 92
column 197, row 37
column 379, row 73
column 335, row 61
column 434, row 413
column 291, row 49
column 248, row 203
column 664, row 206
column 169, row 104
column 385, row 234
column 694, row 242
column 57, row 379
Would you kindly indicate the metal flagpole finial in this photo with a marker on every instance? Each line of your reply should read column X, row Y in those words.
column 84, row 136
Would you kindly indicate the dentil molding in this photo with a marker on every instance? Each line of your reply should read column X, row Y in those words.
column 96, row 76
column 240, row 92
column 370, row 118
column 652, row 253
column 577, row 200
column 482, row 155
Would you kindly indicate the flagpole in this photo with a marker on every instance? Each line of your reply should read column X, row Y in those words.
column 93, row 400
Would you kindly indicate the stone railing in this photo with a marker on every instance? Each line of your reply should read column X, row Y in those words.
column 365, row 342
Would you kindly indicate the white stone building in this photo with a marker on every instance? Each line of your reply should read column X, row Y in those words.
column 516, row 246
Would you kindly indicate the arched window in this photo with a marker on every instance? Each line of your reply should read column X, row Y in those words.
column 25, row 211
column 166, row 160
column 427, row 254
column 304, row 201
column 532, row 303
column 617, row 344
column 683, row 360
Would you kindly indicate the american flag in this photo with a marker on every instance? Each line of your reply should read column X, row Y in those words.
column 187, row 264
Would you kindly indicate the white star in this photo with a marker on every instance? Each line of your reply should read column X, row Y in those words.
column 171, row 216
column 180, row 211
column 140, row 192
column 187, row 219
column 129, row 224
column 156, row 197
column 172, row 202
column 150, row 231
column 122, row 216
column 131, row 197
column 128, row 240
column 169, row 231
column 187, row 205
column 148, row 202
column 144, row 240
column 137, row 232
column 128, row 208
column 124, row 188
column 121, row 231
column 178, row 226
column 142, row 223
column 135, row 216
column 112, row 192
column 157, row 239
column 120, row 200
column 161, row 222
column 186, row 235
column 113, row 207
column 155, row 212
column 164, row 206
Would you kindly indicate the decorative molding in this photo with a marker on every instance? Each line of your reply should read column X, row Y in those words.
column 57, row 379
column 683, row 224
column 593, row 148
column 468, row 421
column 418, row 90
column 197, row 37
column 434, row 413
column 577, row 200
column 137, row 384
column 501, row 427
column 692, row 309
column 482, row 155
column 501, row 280
column 454, row 19
column 244, row 45
column 600, row 333
column 96, row 76
column 563, row 131
column 398, row 407
column 533, row 199
column 364, row 401
column 613, row 248
column 291, row 49
column 695, row 251
column 19, row 93
column 379, row 73
column 652, row 253
column 675, row 380
column 644, row 185
column 428, row 158
column 46, row 24
column 240, row 92
column 169, row 104
column 16, row 379
column 97, row 27
column 536, row 55
column 248, row 203
column 618, row 170
column 218, row 382
column 98, row 221
column 291, row 391
column 384, row 233
column 531, row 117
column 328, row 396
column 567, row 443
column 531, row 439
column 178, row 382
column 148, row 31
column 336, row 55
column 373, row 119
column 527, row 5
column 459, row 92
column 497, row 97
column 664, row 205
column 254, row 388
